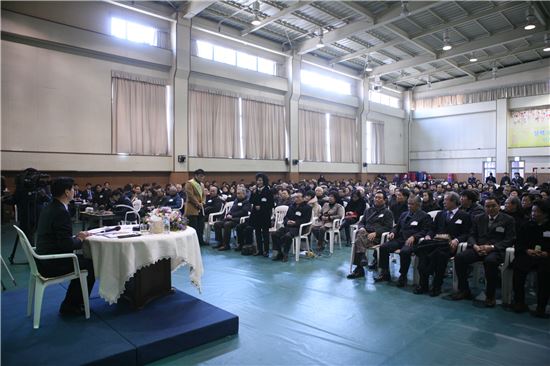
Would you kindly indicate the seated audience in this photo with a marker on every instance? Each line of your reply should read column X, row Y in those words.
column 492, row 232
column 532, row 253
column 377, row 220
column 428, row 203
column 354, row 210
column 411, row 227
column 222, row 229
column 329, row 212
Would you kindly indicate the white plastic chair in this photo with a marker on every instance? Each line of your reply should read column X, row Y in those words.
column 131, row 211
column 38, row 283
column 433, row 214
column 506, row 272
column 303, row 233
column 353, row 229
column 280, row 213
column 333, row 232
column 212, row 219
column 416, row 274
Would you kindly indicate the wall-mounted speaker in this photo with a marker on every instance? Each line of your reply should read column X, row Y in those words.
column 181, row 158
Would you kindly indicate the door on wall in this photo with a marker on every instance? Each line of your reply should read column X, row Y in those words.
column 489, row 167
column 517, row 166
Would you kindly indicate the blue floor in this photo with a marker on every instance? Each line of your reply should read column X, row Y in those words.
column 309, row 313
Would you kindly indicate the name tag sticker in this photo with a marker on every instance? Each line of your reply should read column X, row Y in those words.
column 298, row 213
column 264, row 199
column 458, row 222
column 546, row 234
column 171, row 200
column 239, row 204
column 209, row 201
column 414, row 223
column 381, row 215
column 499, row 229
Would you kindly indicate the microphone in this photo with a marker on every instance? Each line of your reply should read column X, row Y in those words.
column 115, row 228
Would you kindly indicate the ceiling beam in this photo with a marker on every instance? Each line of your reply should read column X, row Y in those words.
column 479, row 62
column 276, row 16
column 352, row 28
column 365, row 50
column 194, row 7
column 359, row 9
column 503, row 37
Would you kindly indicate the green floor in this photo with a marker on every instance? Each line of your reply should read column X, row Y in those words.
column 309, row 313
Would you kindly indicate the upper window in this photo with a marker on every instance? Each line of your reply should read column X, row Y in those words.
column 326, row 83
column 380, row 98
column 240, row 59
column 133, row 32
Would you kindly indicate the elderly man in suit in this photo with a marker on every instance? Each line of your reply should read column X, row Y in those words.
column 492, row 232
column 450, row 227
column 240, row 208
column 55, row 236
column 411, row 227
column 194, row 206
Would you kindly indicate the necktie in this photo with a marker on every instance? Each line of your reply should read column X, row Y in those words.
column 449, row 215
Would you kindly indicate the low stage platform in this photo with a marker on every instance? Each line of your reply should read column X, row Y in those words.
column 114, row 334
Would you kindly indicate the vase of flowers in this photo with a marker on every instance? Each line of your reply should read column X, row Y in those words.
column 177, row 220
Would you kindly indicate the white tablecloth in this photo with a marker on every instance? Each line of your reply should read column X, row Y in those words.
column 117, row 260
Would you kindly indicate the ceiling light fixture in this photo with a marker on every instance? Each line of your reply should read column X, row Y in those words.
column 429, row 81
column 546, row 43
column 529, row 18
column 368, row 67
column 320, row 44
column 494, row 70
column 446, row 45
column 256, row 9
column 473, row 58
column 405, row 12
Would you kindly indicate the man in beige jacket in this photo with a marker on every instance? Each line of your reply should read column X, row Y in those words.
column 194, row 206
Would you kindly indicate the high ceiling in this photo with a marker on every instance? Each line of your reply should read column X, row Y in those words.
column 403, row 40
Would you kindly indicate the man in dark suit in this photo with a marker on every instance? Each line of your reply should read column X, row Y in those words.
column 533, row 254
column 491, row 234
column 172, row 199
column 411, row 227
column 376, row 221
column 88, row 194
column 490, row 179
column 505, row 179
column 54, row 236
column 119, row 204
column 298, row 213
column 214, row 203
column 517, row 180
column 400, row 204
column 468, row 203
column 450, row 227
column 240, row 208
column 472, row 179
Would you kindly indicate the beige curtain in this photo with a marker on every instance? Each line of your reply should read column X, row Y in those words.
column 139, row 118
column 513, row 91
column 263, row 130
column 343, row 139
column 213, row 125
column 311, row 136
column 375, row 138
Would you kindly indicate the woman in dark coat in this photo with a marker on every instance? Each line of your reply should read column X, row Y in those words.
column 262, row 203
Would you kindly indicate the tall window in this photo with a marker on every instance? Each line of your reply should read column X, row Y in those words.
column 381, row 98
column 231, row 57
column 375, row 142
column 325, row 83
column 133, row 32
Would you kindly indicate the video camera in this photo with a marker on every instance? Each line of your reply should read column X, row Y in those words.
column 31, row 180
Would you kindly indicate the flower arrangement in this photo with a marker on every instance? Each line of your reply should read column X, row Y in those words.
column 177, row 220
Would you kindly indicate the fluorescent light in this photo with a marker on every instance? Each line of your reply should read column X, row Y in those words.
column 256, row 21
column 529, row 19
column 546, row 43
column 546, row 49
column 321, row 44
column 446, row 45
column 473, row 59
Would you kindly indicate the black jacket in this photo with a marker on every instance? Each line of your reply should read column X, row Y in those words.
column 213, row 205
column 55, row 232
column 412, row 224
column 239, row 209
column 501, row 234
column 397, row 209
column 532, row 234
column 264, row 199
column 474, row 210
column 358, row 206
column 458, row 228
column 301, row 214
column 377, row 220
